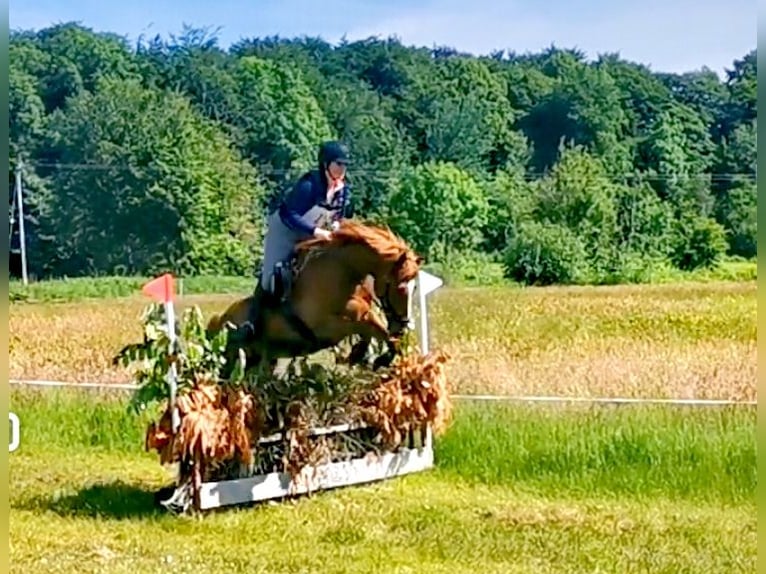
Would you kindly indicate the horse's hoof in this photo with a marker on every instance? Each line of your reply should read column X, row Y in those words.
column 358, row 355
column 383, row 361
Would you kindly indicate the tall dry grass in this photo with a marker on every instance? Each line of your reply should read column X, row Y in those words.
column 679, row 340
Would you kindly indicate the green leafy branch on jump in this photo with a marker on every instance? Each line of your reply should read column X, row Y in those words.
column 196, row 356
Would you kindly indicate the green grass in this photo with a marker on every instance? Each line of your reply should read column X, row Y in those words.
column 639, row 451
column 81, row 288
column 516, row 489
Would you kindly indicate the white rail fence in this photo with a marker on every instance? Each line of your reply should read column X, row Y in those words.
column 457, row 397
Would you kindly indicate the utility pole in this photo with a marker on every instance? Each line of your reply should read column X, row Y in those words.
column 22, row 237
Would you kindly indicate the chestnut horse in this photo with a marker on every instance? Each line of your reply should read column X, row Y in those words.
column 329, row 299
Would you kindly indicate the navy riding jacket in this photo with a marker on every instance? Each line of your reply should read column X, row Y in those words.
column 311, row 190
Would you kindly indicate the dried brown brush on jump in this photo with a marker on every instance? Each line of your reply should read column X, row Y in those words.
column 222, row 427
column 289, row 425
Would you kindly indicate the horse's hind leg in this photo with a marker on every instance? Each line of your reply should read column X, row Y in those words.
column 249, row 317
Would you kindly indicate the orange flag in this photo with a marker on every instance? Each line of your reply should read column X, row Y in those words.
column 161, row 288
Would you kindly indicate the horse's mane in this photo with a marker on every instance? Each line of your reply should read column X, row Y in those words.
column 377, row 237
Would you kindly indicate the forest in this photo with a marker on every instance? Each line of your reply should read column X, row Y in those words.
column 166, row 154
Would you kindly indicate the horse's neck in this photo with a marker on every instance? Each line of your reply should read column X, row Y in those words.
column 363, row 261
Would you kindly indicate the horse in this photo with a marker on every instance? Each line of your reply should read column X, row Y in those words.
column 330, row 299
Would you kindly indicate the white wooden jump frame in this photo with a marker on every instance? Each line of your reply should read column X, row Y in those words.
column 415, row 455
column 366, row 469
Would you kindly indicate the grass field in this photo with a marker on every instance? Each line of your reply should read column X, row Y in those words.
column 533, row 489
column 517, row 489
column 687, row 340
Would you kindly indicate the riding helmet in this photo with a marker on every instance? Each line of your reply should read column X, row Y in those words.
column 333, row 151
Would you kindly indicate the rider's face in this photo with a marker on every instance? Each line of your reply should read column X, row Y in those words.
column 337, row 170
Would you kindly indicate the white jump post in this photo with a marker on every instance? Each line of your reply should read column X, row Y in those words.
column 426, row 284
column 162, row 289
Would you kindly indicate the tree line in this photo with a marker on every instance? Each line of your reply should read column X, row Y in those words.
column 167, row 154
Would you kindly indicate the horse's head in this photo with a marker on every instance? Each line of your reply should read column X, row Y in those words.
column 384, row 256
column 394, row 291
column 396, row 267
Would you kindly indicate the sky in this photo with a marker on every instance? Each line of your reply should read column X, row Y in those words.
column 667, row 35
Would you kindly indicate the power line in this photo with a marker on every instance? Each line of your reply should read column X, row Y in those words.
column 391, row 172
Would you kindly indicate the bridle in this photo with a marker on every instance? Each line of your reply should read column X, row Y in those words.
column 392, row 315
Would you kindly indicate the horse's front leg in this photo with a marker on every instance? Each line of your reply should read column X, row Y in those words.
column 342, row 326
column 386, row 358
column 376, row 330
column 359, row 310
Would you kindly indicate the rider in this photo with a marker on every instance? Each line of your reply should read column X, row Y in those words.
column 320, row 199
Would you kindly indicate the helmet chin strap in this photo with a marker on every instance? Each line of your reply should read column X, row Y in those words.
column 332, row 184
column 330, row 178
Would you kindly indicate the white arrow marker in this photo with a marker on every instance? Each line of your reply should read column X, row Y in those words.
column 427, row 284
